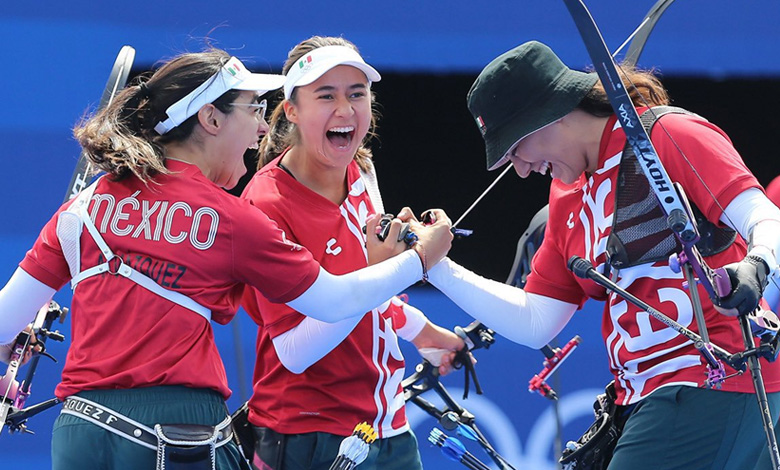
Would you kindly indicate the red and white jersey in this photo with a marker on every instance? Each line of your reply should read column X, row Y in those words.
column 360, row 379
column 644, row 354
column 189, row 236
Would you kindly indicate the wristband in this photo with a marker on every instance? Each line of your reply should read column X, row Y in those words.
column 424, row 261
column 766, row 255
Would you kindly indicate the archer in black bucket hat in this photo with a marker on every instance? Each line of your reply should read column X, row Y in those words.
column 604, row 214
column 520, row 92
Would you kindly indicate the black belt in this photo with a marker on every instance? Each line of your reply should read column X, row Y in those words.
column 123, row 426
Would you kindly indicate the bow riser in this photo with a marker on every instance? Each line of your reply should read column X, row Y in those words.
column 12, row 408
column 8, row 382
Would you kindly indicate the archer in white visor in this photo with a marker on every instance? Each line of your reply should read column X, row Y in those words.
column 314, row 381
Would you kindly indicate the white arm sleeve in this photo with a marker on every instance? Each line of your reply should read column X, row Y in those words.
column 528, row 319
column 415, row 321
column 310, row 341
column 20, row 300
column 333, row 298
column 752, row 214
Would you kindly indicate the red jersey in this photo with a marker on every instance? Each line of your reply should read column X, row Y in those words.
column 360, row 379
column 189, row 236
column 644, row 354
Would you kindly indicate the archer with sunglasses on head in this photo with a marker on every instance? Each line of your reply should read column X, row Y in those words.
column 156, row 249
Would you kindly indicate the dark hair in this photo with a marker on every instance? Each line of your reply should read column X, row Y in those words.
column 644, row 88
column 283, row 134
column 120, row 139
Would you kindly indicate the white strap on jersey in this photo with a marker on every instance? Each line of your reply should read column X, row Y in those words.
column 415, row 319
column 372, row 188
column 70, row 225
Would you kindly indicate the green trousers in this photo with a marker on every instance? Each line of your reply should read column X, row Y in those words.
column 80, row 445
column 318, row 450
column 695, row 429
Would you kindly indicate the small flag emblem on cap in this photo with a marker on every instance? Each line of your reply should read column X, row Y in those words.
column 481, row 125
column 303, row 62
column 233, row 68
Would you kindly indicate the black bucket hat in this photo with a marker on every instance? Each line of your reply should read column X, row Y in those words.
column 520, row 92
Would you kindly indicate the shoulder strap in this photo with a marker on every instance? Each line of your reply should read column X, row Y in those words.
column 372, row 188
column 70, row 226
column 651, row 115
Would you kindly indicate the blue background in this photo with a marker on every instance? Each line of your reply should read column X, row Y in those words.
column 56, row 57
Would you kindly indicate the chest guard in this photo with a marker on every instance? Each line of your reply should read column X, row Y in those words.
column 640, row 232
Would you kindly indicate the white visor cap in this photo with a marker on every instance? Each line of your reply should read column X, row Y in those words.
column 319, row 61
column 232, row 76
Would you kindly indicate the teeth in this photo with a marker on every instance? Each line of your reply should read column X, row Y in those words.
column 545, row 166
column 342, row 129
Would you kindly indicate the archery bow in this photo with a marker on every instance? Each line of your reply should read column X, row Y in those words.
column 81, row 177
column 12, row 411
column 426, row 377
column 671, row 198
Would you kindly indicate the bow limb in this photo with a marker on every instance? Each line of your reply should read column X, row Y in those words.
column 640, row 35
column 714, row 281
column 82, row 174
column 671, row 197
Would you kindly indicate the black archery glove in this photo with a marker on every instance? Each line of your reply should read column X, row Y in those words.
column 748, row 281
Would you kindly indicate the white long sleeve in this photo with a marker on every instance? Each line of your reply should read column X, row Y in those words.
column 751, row 213
column 333, row 298
column 415, row 321
column 754, row 216
column 528, row 319
column 302, row 346
column 20, row 300
column 311, row 340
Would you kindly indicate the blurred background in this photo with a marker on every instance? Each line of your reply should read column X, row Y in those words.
column 718, row 58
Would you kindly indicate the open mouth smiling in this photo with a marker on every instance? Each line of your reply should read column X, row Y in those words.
column 341, row 137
